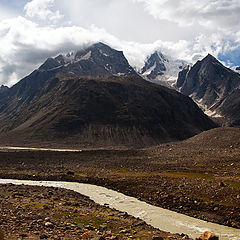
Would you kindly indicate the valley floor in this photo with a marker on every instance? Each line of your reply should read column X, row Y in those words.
column 199, row 177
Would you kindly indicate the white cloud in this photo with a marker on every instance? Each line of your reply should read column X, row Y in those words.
column 41, row 9
column 208, row 13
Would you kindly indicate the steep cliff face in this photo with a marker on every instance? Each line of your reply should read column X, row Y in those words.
column 210, row 84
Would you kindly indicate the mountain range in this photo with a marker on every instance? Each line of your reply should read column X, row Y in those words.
column 96, row 97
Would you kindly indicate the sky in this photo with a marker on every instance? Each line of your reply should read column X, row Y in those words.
column 33, row 30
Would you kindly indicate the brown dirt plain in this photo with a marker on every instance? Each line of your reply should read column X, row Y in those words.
column 199, row 177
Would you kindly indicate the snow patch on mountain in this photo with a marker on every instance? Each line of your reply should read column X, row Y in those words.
column 207, row 110
column 236, row 69
column 149, row 70
column 86, row 56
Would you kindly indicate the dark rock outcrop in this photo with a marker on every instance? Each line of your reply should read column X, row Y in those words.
column 182, row 76
column 3, row 89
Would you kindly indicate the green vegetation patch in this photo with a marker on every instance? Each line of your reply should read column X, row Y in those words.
column 35, row 205
column 88, row 219
column 234, row 184
column 192, row 175
column 225, row 204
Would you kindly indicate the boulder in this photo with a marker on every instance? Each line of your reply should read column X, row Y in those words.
column 208, row 236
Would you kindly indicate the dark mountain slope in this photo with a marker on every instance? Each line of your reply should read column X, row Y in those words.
column 211, row 84
column 230, row 107
column 106, row 109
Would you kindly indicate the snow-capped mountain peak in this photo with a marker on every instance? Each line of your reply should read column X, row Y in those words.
column 162, row 69
column 97, row 59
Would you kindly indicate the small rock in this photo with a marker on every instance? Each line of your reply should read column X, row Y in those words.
column 222, row 184
column 124, row 231
column 184, row 236
column 233, row 224
column 102, row 228
column 123, row 214
column 49, row 224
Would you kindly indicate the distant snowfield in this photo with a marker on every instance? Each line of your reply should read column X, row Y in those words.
column 163, row 219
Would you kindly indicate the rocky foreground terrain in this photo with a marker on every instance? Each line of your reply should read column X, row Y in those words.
column 29, row 212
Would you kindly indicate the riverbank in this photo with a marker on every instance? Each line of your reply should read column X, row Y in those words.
column 31, row 212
